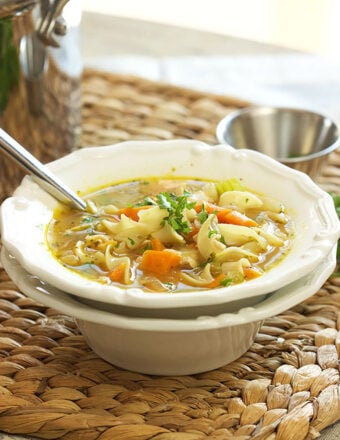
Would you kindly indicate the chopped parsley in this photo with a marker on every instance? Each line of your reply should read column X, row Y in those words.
column 147, row 247
column 175, row 205
column 226, row 282
column 212, row 232
column 209, row 260
column 203, row 215
column 148, row 201
column 87, row 219
column 170, row 286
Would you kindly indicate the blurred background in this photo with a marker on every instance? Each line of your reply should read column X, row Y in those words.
column 306, row 25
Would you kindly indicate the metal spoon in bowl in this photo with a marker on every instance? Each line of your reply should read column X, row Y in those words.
column 39, row 172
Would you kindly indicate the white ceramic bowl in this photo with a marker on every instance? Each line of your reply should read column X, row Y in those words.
column 175, row 312
column 25, row 215
column 170, row 346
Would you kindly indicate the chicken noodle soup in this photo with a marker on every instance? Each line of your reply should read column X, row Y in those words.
column 172, row 234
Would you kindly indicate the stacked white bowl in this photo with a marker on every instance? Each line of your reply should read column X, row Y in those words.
column 162, row 333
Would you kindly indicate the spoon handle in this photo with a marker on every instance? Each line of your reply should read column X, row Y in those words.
column 39, row 172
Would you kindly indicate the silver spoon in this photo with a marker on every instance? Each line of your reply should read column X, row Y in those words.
column 39, row 172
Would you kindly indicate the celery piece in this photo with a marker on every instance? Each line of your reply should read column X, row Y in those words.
column 232, row 184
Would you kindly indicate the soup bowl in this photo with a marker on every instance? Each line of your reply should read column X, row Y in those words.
column 25, row 216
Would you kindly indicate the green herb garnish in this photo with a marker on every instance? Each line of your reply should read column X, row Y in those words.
column 148, row 201
column 203, row 215
column 147, row 247
column 226, row 282
column 222, row 240
column 212, row 232
column 208, row 261
column 87, row 219
column 175, row 205
column 170, row 286
column 132, row 242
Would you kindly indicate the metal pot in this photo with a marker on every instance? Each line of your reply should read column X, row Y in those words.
column 40, row 70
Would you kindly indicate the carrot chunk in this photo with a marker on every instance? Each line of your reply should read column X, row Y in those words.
column 251, row 273
column 225, row 215
column 216, row 282
column 194, row 231
column 235, row 218
column 157, row 245
column 117, row 274
column 132, row 211
column 159, row 262
column 210, row 208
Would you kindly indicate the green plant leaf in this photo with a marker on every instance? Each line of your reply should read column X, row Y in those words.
column 9, row 61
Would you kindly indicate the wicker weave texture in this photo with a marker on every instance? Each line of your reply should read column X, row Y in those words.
column 120, row 108
column 52, row 386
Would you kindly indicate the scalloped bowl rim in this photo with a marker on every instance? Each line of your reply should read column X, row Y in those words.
column 24, row 216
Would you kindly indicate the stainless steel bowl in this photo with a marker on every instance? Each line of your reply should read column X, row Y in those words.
column 300, row 139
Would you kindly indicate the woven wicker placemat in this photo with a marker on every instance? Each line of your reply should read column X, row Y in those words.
column 53, row 386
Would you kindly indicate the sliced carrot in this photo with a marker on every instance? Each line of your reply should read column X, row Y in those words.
column 160, row 262
column 235, row 218
column 222, row 216
column 157, row 245
column 193, row 232
column 226, row 215
column 216, row 282
column 117, row 274
column 210, row 208
column 251, row 273
column 132, row 211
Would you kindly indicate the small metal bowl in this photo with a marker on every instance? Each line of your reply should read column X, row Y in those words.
column 300, row 139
